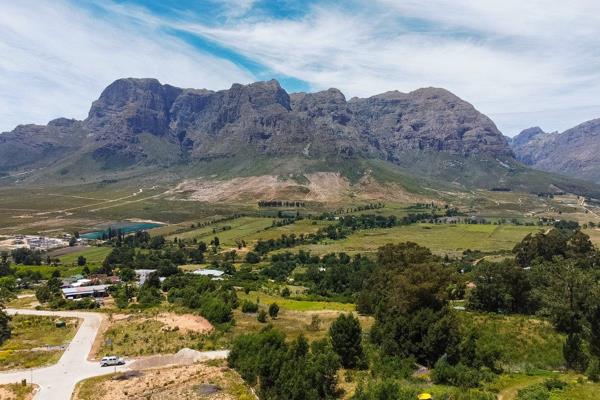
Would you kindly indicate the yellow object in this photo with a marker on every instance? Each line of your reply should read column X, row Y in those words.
column 424, row 396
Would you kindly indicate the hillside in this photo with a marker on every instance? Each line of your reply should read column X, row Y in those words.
column 574, row 152
column 142, row 129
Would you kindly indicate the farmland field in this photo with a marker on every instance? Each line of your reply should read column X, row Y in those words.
column 451, row 239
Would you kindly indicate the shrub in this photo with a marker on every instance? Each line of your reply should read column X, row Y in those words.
column 534, row 392
column 593, row 370
column 262, row 316
column 248, row 307
column 455, row 375
column 216, row 311
column 273, row 310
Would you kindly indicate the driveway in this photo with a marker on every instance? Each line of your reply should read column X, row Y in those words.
column 57, row 382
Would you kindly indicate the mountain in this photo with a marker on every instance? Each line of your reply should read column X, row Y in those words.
column 140, row 126
column 575, row 152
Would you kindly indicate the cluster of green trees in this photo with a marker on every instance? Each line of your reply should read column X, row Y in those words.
column 213, row 299
column 555, row 275
column 344, row 226
column 26, row 256
column 165, row 259
column 8, row 286
column 297, row 370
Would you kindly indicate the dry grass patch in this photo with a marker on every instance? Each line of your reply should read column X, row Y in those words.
column 16, row 391
column 211, row 380
column 138, row 335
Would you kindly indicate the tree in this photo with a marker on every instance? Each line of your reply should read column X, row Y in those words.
column 501, row 287
column 249, row 307
column 72, row 241
column 81, row 261
column 294, row 371
column 127, row 274
column 346, row 339
column 575, row 357
column 285, row 292
column 7, row 286
column 273, row 310
column 252, row 257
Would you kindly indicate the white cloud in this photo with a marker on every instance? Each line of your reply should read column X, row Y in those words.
column 514, row 59
column 56, row 58
column 524, row 63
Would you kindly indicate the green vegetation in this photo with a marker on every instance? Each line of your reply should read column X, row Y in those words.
column 144, row 336
column 451, row 239
column 35, row 332
column 93, row 256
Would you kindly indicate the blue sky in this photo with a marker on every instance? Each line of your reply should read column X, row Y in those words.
column 522, row 63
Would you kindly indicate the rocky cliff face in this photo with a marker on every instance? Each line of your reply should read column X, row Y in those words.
column 575, row 152
column 143, row 121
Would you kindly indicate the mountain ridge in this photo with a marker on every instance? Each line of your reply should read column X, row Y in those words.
column 574, row 152
column 140, row 126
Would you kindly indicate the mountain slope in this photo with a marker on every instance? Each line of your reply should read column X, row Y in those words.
column 575, row 152
column 140, row 127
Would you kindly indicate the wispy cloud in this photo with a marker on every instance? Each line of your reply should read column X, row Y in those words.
column 516, row 60
column 56, row 58
column 522, row 63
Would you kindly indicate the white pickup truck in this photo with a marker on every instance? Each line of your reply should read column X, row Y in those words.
column 111, row 361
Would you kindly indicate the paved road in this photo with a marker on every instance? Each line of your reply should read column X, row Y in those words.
column 58, row 381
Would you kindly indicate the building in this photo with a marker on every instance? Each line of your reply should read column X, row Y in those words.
column 208, row 272
column 143, row 274
column 85, row 291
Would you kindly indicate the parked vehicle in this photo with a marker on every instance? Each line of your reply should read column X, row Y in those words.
column 111, row 361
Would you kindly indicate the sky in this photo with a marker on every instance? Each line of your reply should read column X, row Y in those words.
column 523, row 63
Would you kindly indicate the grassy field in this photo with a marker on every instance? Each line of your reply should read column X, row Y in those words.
column 47, row 270
column 295, row 305
column 240, row 228
column 527, row 343
column 292, row 323
column 450, row 239
column 141, row 336
column 93, row 256
column 32, row 332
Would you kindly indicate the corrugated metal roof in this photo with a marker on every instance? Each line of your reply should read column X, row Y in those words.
column 84, row 290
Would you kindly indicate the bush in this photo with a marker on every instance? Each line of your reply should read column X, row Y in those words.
column 252, row 258
column 593, row 370
column 456, row 375
column 273, row 310
column 534, row 392
column 262, row 316
column 216, row 311
column 248, row 307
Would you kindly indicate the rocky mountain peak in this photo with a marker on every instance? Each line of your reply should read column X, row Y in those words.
column 263, row 118
column 527, row 135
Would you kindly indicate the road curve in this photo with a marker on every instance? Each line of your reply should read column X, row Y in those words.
column 57, row 382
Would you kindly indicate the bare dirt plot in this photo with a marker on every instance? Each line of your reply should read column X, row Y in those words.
column 325, row 187
column 185, row 323
column 16, row 391
column 199, row 381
